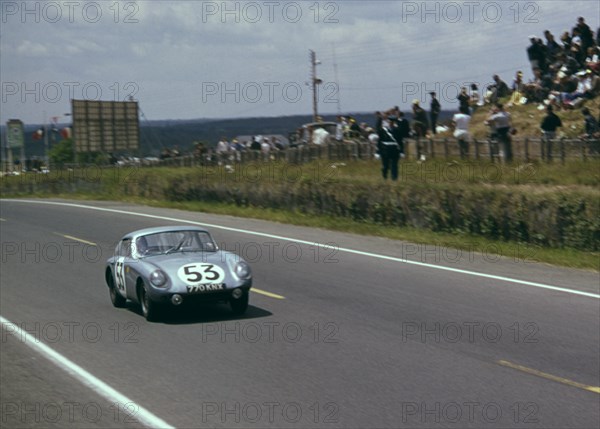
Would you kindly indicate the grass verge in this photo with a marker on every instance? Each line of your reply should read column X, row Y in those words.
column 517, row 252
column 302, row 195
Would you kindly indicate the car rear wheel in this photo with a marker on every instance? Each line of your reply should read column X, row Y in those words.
column 150, row 309
column 115, row 297
column 239, row 306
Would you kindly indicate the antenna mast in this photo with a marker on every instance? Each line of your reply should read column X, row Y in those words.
column 315, row 81
column 337, row 81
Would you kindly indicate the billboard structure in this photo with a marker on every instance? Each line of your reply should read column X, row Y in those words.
column 105, row 126
column 15, row 139
column 15, row 134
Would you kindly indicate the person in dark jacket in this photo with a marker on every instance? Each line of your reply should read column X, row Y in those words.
column 389, row 150
column 400, row 130
column 420, row 126
column 590, row 124
column 463, row 99
column 549, row 125
column 434, row 112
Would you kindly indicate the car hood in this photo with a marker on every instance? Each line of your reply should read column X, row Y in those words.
column 172, row 262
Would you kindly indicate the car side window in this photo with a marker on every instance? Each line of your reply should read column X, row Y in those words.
column 124, row 248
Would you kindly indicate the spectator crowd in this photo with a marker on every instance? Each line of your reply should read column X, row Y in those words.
column 566, row 75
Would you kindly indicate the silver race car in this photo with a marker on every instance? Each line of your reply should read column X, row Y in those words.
column 167, row 266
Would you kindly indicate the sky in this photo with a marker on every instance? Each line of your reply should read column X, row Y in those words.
column 228, row 59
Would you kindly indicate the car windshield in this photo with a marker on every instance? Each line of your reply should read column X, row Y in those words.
column 174, row 241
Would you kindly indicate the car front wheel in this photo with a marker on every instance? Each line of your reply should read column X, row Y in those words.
column 150, row 309
column 239, row 306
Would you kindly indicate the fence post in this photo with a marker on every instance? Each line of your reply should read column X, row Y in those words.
column 526, row 149
column 562, row 151
column 446, row 153
column 542, row 150
column 476, row 148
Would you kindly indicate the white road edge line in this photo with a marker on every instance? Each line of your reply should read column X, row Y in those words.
column 324, row 246
column 142, row 414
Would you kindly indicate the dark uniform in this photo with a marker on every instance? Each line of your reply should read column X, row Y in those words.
column 389, row 151
column 434, row 113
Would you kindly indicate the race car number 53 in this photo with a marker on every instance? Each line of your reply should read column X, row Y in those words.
column 195, row 274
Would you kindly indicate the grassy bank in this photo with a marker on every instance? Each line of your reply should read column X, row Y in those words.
column 547, row 213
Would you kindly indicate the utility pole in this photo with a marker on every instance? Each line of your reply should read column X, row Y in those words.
column 337, row 82
column 315, row 81
column 46, row 146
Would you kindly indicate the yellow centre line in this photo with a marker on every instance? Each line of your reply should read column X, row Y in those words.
column 70, row 237
column 547, row 376
column 269, row 294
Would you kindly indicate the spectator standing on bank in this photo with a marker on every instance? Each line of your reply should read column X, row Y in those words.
column 420, row 126
column 585, row 33
column 502, row 124
column 592, row 131
column 320, row 136
column 590, row 124
column 566, row 40
column 463, row 99
column 378, row 120
column 339, row 128
column 474, row 99
column 552, row 47
column 354, row 128
column 435, row 111
column 256, row 143
column 461, row 122
column 222, row 150
column 265, row 149
column 517, row 89
column 497, row 90
column 389, row 151
column 420, row 123
column 400, row 130
column 536, row 54
column 549, row 125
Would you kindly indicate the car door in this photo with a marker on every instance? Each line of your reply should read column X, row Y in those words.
column 122, row 254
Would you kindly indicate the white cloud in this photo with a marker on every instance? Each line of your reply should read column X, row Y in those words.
column 28, row 48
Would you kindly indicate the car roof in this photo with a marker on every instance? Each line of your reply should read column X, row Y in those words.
column 317, row 124
column 158, row 229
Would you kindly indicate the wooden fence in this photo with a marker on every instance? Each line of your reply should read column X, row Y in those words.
column 524, row 150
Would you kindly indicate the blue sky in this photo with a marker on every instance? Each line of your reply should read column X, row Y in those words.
column 199, row 59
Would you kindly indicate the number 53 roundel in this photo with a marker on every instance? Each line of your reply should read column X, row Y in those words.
column 195, row 274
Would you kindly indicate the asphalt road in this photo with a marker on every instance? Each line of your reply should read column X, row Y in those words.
column 366, row 333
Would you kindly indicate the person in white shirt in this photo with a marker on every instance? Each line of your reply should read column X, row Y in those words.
column 265, row 146
column 222, row 150
column 339, row 128
column 320, row 136
column 373, row 138
column 461, row 122
column 502, row 124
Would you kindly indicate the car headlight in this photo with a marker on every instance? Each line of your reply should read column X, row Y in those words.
column 242, row 270
column 158, row 278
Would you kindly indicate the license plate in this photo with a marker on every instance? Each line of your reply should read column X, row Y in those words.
column 209, row 287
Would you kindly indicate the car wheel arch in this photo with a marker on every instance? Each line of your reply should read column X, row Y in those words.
column 139, row 284
column 108, row 276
